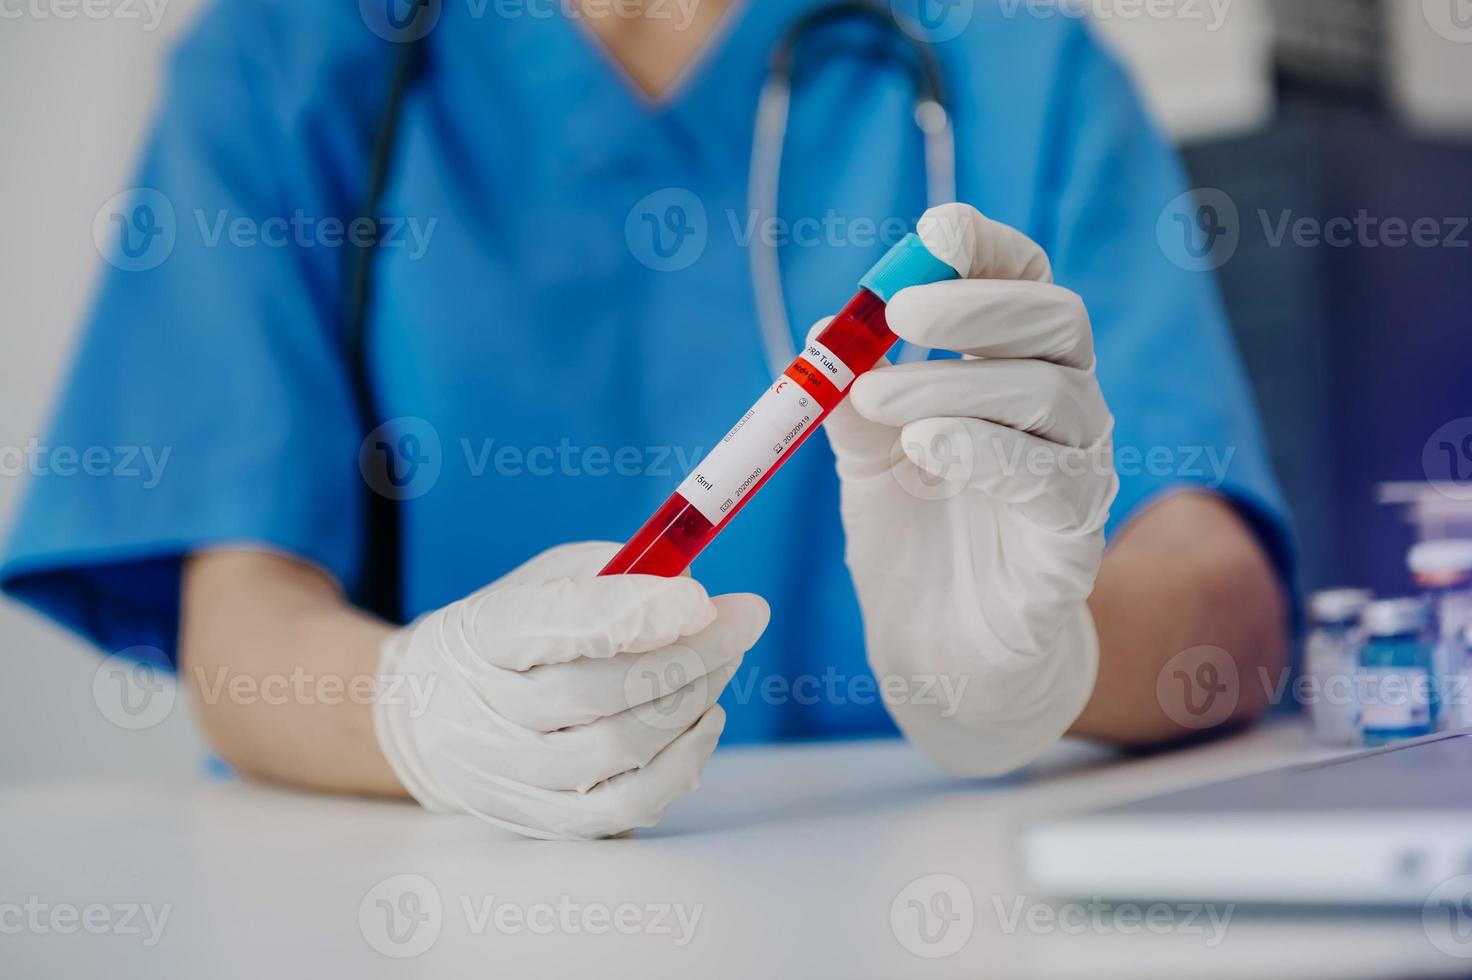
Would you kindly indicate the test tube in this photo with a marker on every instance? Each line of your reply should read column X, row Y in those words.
column 780, row 420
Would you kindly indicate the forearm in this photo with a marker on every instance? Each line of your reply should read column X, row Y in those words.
column 1187, row 573
column 281, row 672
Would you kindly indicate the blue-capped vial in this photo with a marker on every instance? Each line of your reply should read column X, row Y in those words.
column 1395, row 685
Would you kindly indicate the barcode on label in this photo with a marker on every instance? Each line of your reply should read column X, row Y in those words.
column 751, row 449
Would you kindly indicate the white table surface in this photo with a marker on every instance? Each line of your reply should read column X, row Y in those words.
column 794, row 859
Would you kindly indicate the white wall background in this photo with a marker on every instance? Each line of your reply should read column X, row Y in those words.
column 77, row 94
column 1205, row 71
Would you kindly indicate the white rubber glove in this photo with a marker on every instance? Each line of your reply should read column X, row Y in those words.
column 562, row 704
column 974, row 497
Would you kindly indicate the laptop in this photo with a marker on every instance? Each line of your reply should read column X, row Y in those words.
column 1389, row 826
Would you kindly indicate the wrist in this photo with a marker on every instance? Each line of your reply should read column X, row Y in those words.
column 393, row 718
column 282, row 672
column 1002, row 713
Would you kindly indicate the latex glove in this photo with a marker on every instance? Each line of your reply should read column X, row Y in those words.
column 562, row 704
column 974, row 497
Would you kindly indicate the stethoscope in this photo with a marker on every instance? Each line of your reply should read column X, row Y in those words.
column 770, row 132
column 380, row 588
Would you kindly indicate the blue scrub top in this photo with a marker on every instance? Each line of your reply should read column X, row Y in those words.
column 574, row 322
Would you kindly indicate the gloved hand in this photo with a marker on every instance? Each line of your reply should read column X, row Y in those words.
column 974, row 497
column 562, row 704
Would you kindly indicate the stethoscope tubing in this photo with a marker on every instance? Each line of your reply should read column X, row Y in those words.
column 769, row 133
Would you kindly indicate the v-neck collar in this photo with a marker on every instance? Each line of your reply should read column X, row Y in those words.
column 711, row 50
column 554, row 76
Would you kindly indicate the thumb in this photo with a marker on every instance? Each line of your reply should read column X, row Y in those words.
column 859, row 443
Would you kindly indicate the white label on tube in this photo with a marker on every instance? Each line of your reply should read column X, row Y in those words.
column 828, row 365
column 753, row 446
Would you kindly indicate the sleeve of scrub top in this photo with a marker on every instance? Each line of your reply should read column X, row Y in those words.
column 1185, row 417
column 213, row 382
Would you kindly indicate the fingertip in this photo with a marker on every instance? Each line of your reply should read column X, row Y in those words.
column 700, row 741
column 752, row 611
column 814, row 330
column 700, row 609
column 765, row 611
column 901, row 306
column 675, row 770
column 868, row 395
column 949, row 233
column 980, row 248
column 860, row 393
column 700, row 738
column 901, row 310
column 671, row 607
column 916, row 313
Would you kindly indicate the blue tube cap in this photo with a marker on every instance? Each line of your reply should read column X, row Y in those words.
column 908, row 263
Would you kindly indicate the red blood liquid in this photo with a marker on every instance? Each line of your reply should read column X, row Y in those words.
column 669, row 541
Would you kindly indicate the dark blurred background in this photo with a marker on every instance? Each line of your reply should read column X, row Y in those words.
column 1361, row 353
